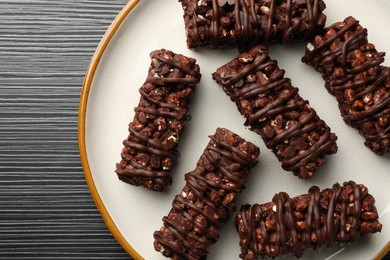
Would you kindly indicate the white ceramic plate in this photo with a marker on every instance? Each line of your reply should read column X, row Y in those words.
column 110, row 93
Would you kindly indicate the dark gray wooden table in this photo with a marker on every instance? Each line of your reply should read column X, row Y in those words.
column 46, row 211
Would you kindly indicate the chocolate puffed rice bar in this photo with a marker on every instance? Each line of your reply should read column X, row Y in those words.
column 351, row 67
column 320, row 218
column 151, row 147
column 273, row 108
column 248, row 23
column 207, row 198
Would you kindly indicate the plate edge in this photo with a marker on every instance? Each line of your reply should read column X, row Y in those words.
column 90, row 73
column 381, row 254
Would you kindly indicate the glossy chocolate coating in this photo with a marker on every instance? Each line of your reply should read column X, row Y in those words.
column 150, row 149
column 274, row 109
column 247, row 23
column 319, row 218
column 207, row 198
column 351, row 67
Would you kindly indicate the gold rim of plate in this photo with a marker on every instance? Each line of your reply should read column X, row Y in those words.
column 81, row 133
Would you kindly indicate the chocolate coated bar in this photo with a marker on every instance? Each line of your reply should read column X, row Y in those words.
column 151, row 147
column 274, row 109
column 351, row 67
column 292, row 225
column 248, row 23
column 207, row 198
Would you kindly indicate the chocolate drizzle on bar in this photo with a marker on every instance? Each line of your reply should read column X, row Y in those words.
column 150, row 149
column 207, row 198
column 274, row 109
column 247, row 23
column 351, row 67
column 291, row 225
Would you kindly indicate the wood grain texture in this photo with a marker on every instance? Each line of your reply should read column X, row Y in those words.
column 46, row 211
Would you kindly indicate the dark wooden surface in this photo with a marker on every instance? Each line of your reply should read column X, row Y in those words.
column 46, row 211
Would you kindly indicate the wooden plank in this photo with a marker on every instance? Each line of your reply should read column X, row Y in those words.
column 46, row 211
